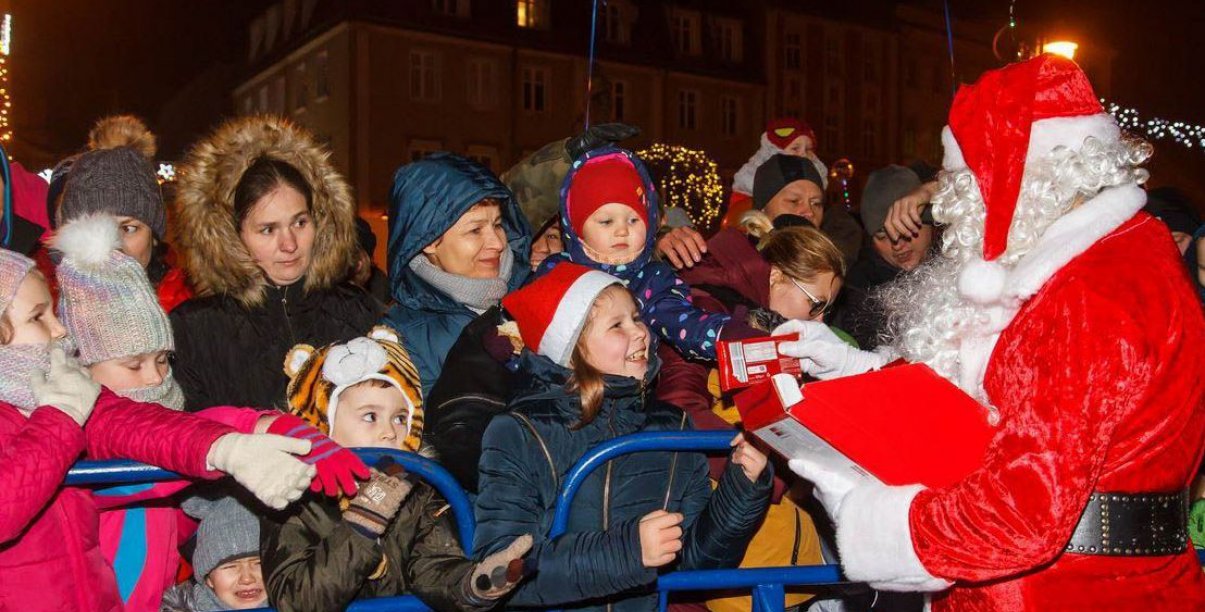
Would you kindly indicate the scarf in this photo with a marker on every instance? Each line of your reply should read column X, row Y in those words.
column 19, row 362
column 167, row 393
column 478, row 294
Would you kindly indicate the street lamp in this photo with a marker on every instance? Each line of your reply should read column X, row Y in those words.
column 1064, row 48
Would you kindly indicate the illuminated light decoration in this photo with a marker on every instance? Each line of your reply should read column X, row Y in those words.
column 6, row 39
column 688, row 179
column 1064, row 48
column 843, row 170
column 166, row 173
column 1187, row 134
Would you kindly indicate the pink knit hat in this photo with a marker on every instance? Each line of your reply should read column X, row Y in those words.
column 13, row 269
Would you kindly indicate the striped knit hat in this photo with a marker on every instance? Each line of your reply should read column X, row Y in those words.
column 13, row 268
column 552, row 310
column 106, row 301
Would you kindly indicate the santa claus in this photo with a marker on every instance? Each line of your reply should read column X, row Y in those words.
column 1067, row 313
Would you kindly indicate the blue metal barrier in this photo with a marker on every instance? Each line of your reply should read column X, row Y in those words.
column 129, row 472
column 767, row 584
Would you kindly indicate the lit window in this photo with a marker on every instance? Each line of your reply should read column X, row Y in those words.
column 532, row 14
column 684, row 29
column 729, row 39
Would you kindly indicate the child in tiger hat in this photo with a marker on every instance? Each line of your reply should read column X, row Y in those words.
column 394, row 537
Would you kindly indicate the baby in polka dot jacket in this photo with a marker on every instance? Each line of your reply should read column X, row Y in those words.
column 609, row 220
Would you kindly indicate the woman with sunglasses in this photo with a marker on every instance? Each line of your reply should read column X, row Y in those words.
column 790, row 273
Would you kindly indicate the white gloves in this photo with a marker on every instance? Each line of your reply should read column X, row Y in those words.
column 828, row 486
column 67, row 386
column 822, row 354
column 266, row 464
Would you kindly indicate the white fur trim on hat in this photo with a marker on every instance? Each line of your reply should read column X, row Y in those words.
column 88, row 241
column 332, row 404
column 1044, row 136
column 874, row 538
column 348, row 364
column 571, row 314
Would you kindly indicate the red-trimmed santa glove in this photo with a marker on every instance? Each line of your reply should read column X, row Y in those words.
column 338, row 468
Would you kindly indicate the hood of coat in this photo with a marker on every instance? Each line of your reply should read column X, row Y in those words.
column 574, row 250
column 427, row 198
column 214, row 256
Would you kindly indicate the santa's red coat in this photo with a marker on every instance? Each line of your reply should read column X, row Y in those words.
column 1098, row 380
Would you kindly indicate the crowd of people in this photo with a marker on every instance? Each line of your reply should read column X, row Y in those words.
column 526, row 319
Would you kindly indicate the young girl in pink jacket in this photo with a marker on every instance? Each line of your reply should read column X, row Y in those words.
column 51, row 413
column 124, row 338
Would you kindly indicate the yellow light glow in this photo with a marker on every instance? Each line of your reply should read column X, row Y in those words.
column 1064, row 48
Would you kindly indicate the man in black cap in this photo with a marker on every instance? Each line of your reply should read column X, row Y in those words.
column 786, row 184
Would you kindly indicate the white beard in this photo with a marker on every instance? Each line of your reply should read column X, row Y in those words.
column 930, row 321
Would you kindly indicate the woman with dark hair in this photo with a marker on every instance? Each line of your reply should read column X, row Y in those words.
column 267, row 229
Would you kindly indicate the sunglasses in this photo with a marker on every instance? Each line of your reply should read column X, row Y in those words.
column 819, row 307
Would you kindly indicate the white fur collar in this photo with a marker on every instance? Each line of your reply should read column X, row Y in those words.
column 1071, row 235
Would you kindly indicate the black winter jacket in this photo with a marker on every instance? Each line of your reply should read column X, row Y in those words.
column 597, row 561
column 313, row 560
column 472, row 388
column 228, row 354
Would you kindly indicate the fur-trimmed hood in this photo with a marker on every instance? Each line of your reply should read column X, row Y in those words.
column 214, row 256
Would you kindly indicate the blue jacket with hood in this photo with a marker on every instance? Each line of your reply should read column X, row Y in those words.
column 663, row 298
column 597, row 563
column 427, row 198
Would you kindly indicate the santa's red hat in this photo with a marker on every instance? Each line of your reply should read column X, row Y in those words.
column 552, row 310
column 1006, row 119
column 603, row 180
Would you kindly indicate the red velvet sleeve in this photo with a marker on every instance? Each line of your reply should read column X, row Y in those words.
column 1062, row 377
column 35, row 460
column 150, row 433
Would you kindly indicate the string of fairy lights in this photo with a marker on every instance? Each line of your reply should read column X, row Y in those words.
column 688, row 179
column 6, row 104
column 1156, row 128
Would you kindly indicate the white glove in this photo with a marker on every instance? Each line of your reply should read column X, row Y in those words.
column 67, row 386
column 265, row 464
column 829, row 487
column 822, row 354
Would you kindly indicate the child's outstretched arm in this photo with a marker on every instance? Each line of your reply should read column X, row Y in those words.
column 665, row 306
column 573, row 567
column 176, row 441
column 726, row 518
column 35, row 461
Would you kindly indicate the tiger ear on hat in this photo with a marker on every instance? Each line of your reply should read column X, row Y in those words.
column 296, row 358
column 385, row 333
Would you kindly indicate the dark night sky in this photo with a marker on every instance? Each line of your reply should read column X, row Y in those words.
column 74, row 60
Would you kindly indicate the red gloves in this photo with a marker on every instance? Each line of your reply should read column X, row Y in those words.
column 338, row 468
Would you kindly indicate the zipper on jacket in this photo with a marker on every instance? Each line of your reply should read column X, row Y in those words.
column 284, row 307
column 606, row 509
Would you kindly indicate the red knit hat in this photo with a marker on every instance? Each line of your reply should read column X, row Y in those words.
column 552, row 310
column 781, row 132
column 604, row 180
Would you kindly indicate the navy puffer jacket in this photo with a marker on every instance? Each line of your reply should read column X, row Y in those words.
column 427, row 198
column 598, row 560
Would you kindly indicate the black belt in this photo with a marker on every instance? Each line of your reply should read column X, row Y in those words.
column 1132, row 525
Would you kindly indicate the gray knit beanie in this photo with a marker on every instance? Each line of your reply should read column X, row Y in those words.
column 13, row 268
column 883, row 187
column 118, row 181
column 227, row 530
column 106, row 301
